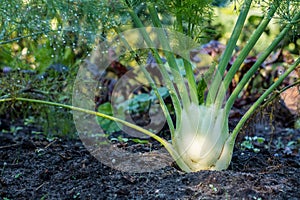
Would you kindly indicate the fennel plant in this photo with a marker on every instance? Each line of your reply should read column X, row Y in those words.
column 200, row 137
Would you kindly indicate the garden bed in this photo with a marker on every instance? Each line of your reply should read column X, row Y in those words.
column 35, row 167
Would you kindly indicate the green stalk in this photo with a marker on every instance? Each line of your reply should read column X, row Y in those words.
column 245, row 51
column 261, row 99
column 183, row 92
column 187, row 65
column 191, row 81
column 85, row 111
column 216, row 84
column 153, row 86
column 166, row 144
column 161, row 101
column 166, row 77
column 258, row 63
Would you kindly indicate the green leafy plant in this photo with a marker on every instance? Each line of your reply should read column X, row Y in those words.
column 248, row 143
column 38, row 35
column 141, row 102
column 14, row 129
column 200, row 138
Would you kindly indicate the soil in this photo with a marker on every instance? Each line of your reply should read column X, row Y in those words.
column 33, row 166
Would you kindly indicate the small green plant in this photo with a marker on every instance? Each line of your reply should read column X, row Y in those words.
column 13, row 130
column 44, row 197
column 30, row 120
column 213, row 188
column 248, row 143
column 288, row 148
column 76, row 196
column 18, row 175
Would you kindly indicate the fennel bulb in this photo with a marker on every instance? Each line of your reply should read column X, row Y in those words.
column 201, row 138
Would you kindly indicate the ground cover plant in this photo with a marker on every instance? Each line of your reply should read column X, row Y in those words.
column 196, row 108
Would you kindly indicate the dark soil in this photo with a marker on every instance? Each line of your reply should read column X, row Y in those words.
column 34, row 167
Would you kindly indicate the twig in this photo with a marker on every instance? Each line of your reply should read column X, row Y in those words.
column 48, row 145
column 39, row 187
column 8, row 146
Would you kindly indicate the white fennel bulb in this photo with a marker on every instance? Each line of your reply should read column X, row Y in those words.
column 201, row 139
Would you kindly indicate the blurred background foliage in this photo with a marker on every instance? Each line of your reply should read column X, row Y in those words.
column 43, row 42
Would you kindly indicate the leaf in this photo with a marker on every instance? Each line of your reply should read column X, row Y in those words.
column 136, row 140
column 107, row 125
column 163, row 92
column 260, row 140
column 143, row 97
